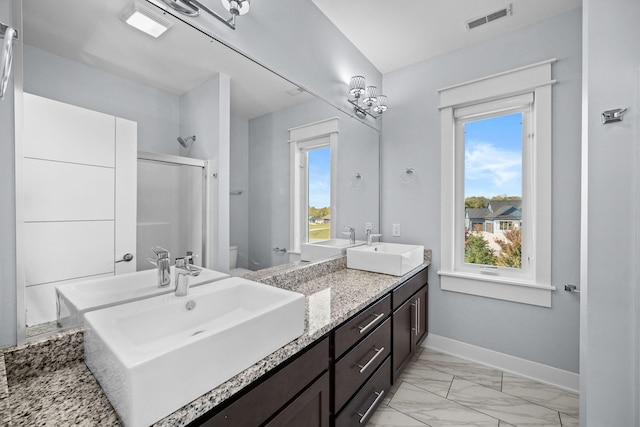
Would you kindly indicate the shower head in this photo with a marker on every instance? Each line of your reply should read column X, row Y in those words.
column 186, row 142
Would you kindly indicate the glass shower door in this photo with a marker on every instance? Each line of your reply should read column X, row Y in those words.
column 170, row 210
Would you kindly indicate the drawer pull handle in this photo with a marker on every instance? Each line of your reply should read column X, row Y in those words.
column 370, row 324
column 366, row 365
column 364, row 416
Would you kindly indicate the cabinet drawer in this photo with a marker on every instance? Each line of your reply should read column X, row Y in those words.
column 358, row 327
column 362, row 406
column 264, row 400
column 408, row 288
column 360, row 362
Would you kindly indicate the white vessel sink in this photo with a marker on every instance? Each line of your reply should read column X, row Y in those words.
column 326, row 248
column 154, row 356
column 76, row 298
column 387, row 258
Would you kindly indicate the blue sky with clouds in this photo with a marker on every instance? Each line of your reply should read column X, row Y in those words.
column 493, row 157
column 320, row 177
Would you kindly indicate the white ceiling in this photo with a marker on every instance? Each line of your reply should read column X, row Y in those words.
column 90, row 32
column 393, row 34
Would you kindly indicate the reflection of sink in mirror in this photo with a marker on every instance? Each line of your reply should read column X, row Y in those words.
column 387, row 258
column 326, row 248
column 154, row 356
column 76, row 298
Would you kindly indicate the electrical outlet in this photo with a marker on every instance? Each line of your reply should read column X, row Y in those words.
column 396, row 230
column 368, row 226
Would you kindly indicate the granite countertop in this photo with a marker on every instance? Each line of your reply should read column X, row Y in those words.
column 47, row 383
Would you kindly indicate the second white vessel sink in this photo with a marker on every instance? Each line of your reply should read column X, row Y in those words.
column 326, row 248
column 386, row 258
column 153, row 356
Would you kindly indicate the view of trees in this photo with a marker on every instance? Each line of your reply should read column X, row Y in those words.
column 319, row 212
column 480, row 202
column 511, row 249
column 478, row 251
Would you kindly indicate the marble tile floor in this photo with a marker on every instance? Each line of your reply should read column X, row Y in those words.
column 439, row 390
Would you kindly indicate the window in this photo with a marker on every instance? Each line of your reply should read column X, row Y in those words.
column 496, row 186
column 491, row 137
column 316, row 166
column 313, row 160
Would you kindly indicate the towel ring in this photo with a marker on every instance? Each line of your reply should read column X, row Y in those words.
column 357, row 180
column 408, row 176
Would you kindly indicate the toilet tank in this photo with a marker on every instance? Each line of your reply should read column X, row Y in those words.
column 233, row 257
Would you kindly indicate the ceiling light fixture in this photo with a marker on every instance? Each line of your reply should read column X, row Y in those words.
column 370, row 103
column 193, row 7
column 146, row 20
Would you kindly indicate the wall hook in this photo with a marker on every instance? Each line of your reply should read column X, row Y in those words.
column 357, row 179
column 611, row 116
column 408, row 176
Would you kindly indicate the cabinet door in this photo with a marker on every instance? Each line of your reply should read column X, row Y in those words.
column 403, row 336
column 421, row 301
column 310, row 409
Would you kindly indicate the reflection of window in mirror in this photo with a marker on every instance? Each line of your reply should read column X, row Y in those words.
column 313, row 160
column 318, row 194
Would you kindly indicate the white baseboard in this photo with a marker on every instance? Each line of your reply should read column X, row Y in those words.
column 565, row 380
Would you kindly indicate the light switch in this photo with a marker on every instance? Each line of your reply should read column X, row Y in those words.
column 396, row 230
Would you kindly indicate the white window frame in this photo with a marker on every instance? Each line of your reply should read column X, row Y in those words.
column 532, row 284
column 302, row 139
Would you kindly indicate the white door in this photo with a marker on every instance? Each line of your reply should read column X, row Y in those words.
column 79, row 198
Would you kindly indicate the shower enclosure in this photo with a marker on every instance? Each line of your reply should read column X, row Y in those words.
column 171, row 207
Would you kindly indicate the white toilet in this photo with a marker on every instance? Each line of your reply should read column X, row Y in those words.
column 233, row 262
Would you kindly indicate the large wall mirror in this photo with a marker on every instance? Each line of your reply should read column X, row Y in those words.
column 91, row 58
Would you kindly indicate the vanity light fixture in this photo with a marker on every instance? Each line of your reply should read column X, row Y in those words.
column 146, row 20
column 366, row 100
column 193, row 7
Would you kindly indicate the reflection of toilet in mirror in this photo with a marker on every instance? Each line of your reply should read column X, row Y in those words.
column 233, row 262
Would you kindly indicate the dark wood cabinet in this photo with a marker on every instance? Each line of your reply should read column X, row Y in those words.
column 310, row 409
column 422, row 298
column 342, row 378
column 403, row 320
column 276, row 393
column 356, row 328
column 409, row 328
column 359, row 364
column 359, row 410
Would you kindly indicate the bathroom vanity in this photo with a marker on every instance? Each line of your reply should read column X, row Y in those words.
column 361, row 329
column 342, row 376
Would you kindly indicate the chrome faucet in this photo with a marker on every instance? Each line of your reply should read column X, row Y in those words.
column 352, row 234
column 184, row 269
column 163, row 266
column 370, row 236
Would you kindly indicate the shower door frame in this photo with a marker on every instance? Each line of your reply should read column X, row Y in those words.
column 206, row 192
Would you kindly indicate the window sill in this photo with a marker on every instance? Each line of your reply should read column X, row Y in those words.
column 506, row 289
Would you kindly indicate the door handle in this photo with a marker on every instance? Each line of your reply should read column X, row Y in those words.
column 125, row 258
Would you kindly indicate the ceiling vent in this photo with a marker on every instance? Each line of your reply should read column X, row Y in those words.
column 477, row 22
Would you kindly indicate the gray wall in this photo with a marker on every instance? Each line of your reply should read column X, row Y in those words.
column 7, row 209
column 239, row 180
column 205, row 112
column 296, row 40
column 269, row 180
column 411, row 138
column 610, row 331
column 156, row 112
